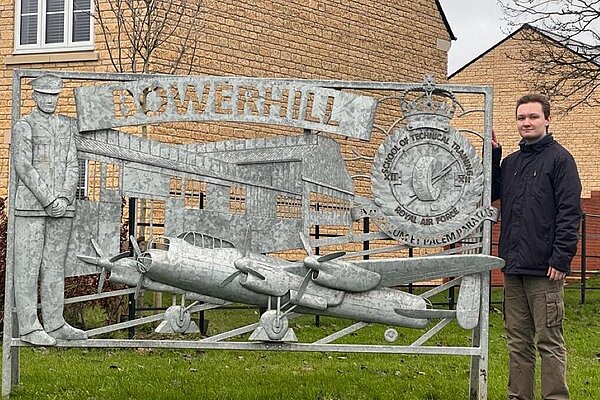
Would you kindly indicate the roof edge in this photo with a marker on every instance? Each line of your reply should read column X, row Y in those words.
column 509, row 36
column 446, row 23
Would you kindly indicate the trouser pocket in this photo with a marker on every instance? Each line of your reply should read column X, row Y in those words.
column 555, row 309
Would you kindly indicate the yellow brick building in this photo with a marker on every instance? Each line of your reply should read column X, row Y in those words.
column 316, row 39
column 501, row 67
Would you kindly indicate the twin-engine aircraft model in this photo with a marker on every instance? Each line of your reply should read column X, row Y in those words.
column 205, row 268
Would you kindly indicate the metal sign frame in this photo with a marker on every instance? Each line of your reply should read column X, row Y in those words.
column 478, row 351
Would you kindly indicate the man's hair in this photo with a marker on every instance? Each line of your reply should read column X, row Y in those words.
column 535, row 98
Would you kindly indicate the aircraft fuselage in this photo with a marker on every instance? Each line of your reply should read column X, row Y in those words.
column 203, row 271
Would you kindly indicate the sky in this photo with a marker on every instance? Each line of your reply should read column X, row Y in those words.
column 477, row 27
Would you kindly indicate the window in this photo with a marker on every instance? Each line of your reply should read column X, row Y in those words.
column 53, row 25
column 237, row 200
column 82, row 187
column 113, row 176
column 289, row 207
column 323, row 203
column 88, row 187
column 194, row 195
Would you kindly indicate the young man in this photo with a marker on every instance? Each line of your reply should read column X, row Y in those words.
column 45, row 160
column 540, row 194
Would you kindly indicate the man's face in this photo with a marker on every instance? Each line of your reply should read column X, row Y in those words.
column 531, row 122
column 46, row 102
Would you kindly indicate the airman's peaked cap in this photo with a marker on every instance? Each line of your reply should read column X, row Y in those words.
column 48, row 83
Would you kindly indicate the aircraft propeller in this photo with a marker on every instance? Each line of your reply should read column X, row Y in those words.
column 242, row 265
column 102, row 261
column 143, row 263
column 312, row 263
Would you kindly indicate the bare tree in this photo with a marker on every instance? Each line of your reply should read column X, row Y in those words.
column 561, row 47
column 150, row 35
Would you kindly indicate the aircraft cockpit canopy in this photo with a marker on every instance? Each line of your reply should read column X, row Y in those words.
column 159, row 243
column 205, row 241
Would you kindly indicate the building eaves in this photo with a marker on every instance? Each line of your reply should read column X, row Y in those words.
column 445, row 20
column 265, row 155
column 573, row 45
column 585, row 51
column 258, row 150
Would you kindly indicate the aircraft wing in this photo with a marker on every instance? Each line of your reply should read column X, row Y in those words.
column 402, row 271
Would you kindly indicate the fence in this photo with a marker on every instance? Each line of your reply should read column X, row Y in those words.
column 586, row 262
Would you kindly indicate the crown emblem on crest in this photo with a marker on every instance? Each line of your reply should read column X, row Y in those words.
column 428, row 106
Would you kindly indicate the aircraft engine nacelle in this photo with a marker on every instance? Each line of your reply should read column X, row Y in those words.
column 343, row 275
column 124, row 272
column 273, row 284
column 308, row 300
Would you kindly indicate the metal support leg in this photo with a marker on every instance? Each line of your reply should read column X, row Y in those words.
column 202, row 323
column 10, row 355
column 410, row 285
column 317, row 317
column 479, row 363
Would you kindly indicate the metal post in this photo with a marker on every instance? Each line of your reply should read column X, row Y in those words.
column 366, row 229
column 451, row 290
column 490, row 293
column 583, row 257
column 317, row 251
column 478, row 387
column 410, row 254
column 131, row 298
column 202, row 322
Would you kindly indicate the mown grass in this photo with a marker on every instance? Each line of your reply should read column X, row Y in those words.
column 186, row 374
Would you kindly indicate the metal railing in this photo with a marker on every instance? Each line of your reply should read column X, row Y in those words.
column 590, row 230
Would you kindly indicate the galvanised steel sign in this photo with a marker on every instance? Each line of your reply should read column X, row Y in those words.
column 265, row 101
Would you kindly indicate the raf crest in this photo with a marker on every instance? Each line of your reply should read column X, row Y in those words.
column 432, row 107
column 427, row 179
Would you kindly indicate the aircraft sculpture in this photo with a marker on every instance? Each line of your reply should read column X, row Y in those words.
column 206, row 268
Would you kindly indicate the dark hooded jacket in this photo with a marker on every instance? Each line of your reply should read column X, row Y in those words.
column 540, row 192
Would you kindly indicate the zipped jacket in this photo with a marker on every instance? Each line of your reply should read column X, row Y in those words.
column 540, row 194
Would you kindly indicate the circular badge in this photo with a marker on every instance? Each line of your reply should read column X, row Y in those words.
column 427, row 185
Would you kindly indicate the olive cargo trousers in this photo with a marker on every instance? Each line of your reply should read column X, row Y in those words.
column 533, row 312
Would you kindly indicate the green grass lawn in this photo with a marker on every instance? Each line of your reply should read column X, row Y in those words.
column 186, row 374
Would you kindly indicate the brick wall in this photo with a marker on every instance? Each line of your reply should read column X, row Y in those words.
column 578, row 131
column 317, row 39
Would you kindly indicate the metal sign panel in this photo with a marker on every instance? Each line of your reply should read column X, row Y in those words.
column 222, row 205
column 266, row 101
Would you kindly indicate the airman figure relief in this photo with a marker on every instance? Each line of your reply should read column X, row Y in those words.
column 45, row 159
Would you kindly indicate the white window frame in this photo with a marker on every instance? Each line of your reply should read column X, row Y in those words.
column 40, row 46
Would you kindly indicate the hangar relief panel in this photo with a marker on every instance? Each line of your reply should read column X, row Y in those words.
column 98, row 209
column 427, row 180
column 268, row 184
